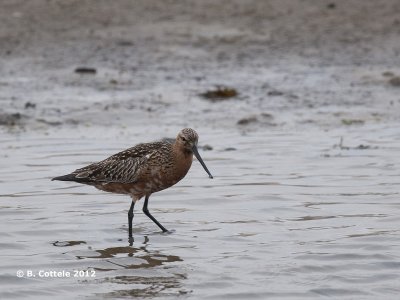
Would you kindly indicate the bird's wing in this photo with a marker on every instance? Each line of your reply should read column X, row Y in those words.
column 123, row 167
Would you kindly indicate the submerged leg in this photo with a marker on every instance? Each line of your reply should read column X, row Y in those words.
column 147, row 213
column 130, row 217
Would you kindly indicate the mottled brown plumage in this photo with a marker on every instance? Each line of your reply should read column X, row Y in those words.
column 143, row 169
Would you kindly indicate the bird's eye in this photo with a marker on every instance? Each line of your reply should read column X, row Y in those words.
column 183, row 139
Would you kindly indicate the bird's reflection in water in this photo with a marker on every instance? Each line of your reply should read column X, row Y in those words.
column 143, row 273
column 146, row 286
column 148, row 259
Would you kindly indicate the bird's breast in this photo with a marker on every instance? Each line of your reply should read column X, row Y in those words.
column 182, row 165
column 159, row 177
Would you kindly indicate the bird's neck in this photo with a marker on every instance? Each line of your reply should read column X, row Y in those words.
column 184, row 158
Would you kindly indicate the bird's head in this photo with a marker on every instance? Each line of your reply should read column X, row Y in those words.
column 187, row 139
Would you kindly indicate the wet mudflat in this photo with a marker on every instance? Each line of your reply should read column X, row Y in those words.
column 289, row 214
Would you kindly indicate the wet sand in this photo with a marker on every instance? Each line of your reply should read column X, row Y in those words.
column 304, row 203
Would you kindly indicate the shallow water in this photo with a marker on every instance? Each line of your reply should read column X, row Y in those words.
column 290, row 214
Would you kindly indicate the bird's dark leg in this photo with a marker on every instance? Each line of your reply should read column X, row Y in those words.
column 147, row 213
column 130, row 217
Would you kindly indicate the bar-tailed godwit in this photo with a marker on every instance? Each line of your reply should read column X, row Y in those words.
column 142, row 170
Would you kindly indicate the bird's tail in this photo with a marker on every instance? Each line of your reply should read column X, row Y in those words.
column 73, row 177
column 68, row 177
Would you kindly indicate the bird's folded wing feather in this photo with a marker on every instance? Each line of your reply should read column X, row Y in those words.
column 123, row 167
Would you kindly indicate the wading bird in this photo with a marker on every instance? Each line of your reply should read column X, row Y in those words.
column 142, row 170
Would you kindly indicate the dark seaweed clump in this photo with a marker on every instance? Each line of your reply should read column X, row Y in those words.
column 220, row 93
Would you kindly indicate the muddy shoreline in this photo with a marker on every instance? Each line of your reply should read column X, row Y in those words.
column 292, row 63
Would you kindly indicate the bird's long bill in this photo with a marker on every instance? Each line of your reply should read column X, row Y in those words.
column 196, row 153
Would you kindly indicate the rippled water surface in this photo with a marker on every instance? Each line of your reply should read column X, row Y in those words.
column 290, row 214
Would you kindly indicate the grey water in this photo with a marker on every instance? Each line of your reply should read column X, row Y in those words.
column 290, row 214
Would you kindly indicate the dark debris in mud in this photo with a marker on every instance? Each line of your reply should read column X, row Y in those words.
column 395, row 81
column 207, row 147
column 48, row 122
column 29, row 105
column 220, row 93
column 275, row 93
column 262, row 119
column 247, row 120
column 387, row 74
column 85, row 70
column 349, row 122
column 11, row 119
column 331, row 5
column 125, row 43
